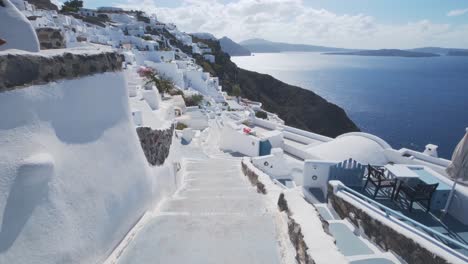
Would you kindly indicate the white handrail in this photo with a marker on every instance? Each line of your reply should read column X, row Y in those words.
column 400, row 216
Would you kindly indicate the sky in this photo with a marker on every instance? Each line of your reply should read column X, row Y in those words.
column 338, row 23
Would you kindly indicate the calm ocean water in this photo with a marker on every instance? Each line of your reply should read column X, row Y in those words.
column 408, row 102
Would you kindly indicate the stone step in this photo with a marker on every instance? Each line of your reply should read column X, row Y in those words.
column 217, row 192
column 221, row 205
column 216, row 182
column 211, row 167
column 209, row 239
column 214, row 174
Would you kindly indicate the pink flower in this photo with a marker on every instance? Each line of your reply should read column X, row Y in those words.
column 145, row 72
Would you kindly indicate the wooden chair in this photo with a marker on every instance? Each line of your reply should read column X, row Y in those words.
column 376, row 177
column 420, row 193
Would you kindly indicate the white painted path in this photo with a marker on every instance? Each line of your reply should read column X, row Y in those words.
column 216, row 217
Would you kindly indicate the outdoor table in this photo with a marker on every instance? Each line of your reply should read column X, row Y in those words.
column 401, row 173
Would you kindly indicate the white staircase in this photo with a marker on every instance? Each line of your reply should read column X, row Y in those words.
column 216, row 217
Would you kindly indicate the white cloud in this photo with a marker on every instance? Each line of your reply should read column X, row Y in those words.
column 457, row 12
column 293, row 21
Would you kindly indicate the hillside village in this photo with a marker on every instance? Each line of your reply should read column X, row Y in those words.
column 120, row 144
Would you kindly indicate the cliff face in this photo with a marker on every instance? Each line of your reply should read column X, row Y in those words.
column 296, row 106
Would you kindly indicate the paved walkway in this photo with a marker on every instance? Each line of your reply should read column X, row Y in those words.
column 217, row 217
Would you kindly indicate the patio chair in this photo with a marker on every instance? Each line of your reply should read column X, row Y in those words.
column 376, row 177
column 420, row 193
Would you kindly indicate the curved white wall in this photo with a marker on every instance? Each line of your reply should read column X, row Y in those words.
column 73, row 177
column 16, row 30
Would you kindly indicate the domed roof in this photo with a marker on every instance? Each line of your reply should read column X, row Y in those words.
column 362, row 147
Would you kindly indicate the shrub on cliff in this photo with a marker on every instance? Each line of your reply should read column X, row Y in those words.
column 193, row 100
column 261, row 114
column 163, row 84
column 72, row 6
column 181, row 126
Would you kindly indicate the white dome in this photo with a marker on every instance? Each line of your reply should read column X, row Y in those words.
column 362, row 147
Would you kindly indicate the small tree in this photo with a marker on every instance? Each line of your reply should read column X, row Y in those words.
column 181, row 126
column 236, row 91
column 193, row 100
column 72, row 5
column 163, row 84
column 261, row 114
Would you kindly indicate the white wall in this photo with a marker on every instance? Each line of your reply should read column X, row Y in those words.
column 169, row 70
column 94, row 183
column 234, row 139
column 264, row 123
column 293, row 150
column 298, row 138
column 154, row 56
column 274, row 165
column 307, row 134
column 274, row 137
column 316, row 174
column 195, row 79
column 16, row 30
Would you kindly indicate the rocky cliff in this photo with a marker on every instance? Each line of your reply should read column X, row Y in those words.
column 43, row 4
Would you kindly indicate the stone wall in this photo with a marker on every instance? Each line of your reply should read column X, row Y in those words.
column 295, row 234
column 43, row 4
column 23, row 69
column 253, row 178
column 50, row 38
column 155, row 143
column 384, row 236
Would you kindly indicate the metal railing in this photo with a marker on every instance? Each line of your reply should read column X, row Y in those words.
column 449, row 242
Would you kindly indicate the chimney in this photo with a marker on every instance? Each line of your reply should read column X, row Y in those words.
column 431, row 150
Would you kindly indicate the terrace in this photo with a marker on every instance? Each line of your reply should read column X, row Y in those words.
column 445, row 232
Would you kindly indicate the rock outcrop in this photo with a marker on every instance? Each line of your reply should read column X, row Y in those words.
column 43, row 4
column 155, row 143
column 50, row 38
column 22, row 69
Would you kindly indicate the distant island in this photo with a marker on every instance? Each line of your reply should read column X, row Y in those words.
column 265, row 46
column 257, row 45
column 387, row 53
column 458, row 53
column 232, row 48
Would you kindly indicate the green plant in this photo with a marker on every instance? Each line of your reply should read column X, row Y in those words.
column 181, row 126
column 236, row 90
column 261, row 114
column 141, row 16
column 72, row 6
column 163, row 84
column 175, row 92
column 193, row 100
column 246, row 123
column 147, row 38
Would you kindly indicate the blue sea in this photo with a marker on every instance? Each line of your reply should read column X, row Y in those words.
column 409, row 102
